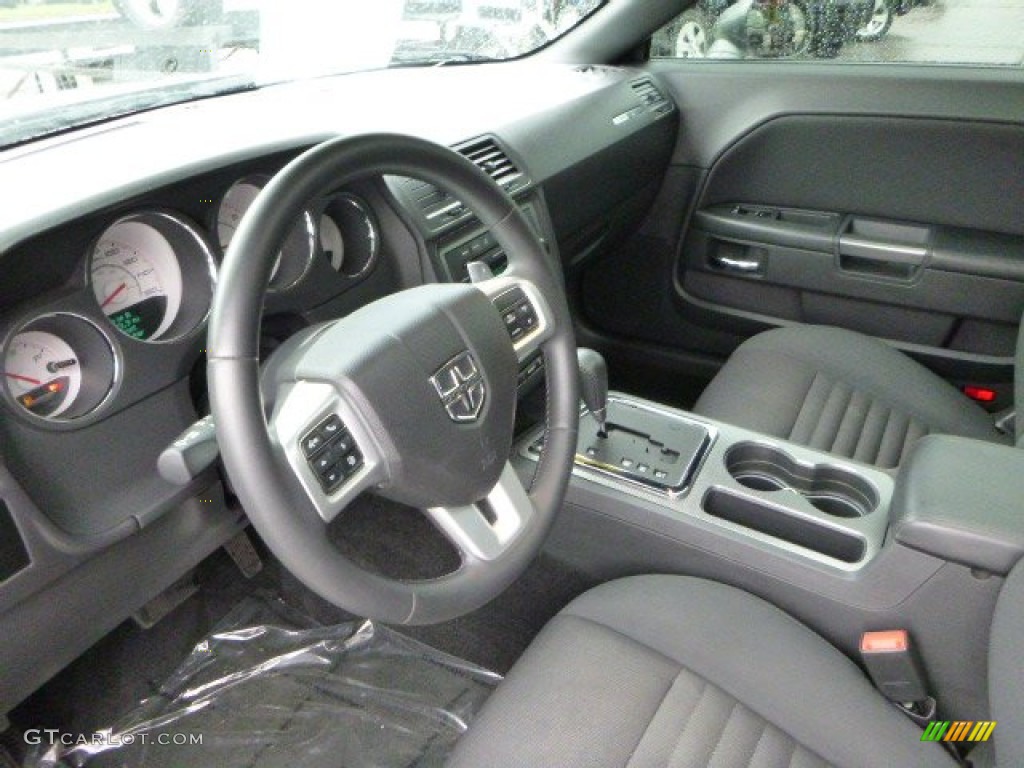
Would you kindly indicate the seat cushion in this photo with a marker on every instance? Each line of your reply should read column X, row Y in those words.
column 672, row 672
column 840, row 392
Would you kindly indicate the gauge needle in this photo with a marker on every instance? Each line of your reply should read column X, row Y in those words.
column 53, row 367
column 114, row 295
column 19, row 377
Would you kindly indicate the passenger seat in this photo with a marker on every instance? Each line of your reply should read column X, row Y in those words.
column 840, row 392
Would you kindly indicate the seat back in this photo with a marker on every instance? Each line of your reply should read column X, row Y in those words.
column 1006, row 670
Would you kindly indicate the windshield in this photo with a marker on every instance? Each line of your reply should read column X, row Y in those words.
column 65, row 63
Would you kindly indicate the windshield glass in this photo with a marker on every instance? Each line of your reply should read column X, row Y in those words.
column 65, row 63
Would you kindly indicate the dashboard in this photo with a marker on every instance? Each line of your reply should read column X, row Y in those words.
column 110, row 253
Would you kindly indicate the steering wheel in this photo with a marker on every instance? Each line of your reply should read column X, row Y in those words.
column 411, row 397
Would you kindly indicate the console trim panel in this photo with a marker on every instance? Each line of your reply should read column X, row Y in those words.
column 686, row 506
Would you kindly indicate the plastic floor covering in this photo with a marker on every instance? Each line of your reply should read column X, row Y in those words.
column 271, row 687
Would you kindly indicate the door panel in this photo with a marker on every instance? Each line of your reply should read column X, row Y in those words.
column 886, row 200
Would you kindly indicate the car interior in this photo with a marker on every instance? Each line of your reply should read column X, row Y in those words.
column 671, row 399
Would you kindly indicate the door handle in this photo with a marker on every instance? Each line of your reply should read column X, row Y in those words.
column 874, row 250
column 733, row 264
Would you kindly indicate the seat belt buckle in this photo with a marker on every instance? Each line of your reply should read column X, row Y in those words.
column 894, row 666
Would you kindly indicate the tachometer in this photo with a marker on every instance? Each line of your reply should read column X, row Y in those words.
column 43, row 373
column 297, row 250
column 136, row 279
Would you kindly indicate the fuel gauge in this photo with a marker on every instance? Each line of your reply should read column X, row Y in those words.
column 59, row 367
column 42, row 372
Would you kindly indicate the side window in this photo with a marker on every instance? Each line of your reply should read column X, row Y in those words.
column 917, row 31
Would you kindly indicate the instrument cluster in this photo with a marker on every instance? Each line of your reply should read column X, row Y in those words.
column 149, row 279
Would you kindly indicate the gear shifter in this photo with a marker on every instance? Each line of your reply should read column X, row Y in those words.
column 634, row 440
column 594, row 386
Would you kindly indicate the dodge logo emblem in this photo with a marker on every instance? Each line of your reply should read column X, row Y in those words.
column 461, row 388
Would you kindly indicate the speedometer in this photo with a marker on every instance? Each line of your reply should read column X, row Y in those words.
column 136, row 279
column 152, row 274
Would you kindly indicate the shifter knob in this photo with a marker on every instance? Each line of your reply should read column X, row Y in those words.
column 594, row 385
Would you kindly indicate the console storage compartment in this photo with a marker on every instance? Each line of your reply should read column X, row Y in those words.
column 780, row 523
column 962, row 500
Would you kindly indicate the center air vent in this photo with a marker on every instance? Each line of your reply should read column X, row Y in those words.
column 436, row 205
column 650, row 97
column 493, row 161
column 439, row 208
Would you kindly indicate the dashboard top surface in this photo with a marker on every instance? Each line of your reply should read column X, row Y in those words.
column 62, row 177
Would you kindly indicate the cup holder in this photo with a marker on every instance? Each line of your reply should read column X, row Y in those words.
column 830, row 489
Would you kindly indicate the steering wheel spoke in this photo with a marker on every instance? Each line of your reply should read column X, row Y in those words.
column 524, row 311
column 483, row 531
column 325, row 445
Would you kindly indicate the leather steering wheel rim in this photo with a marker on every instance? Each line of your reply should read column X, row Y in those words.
column 276, row 505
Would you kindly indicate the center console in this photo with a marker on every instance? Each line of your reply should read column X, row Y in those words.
column 772, row 494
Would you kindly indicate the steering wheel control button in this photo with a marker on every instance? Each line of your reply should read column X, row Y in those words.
column 460, row 386
column 529, row 368
column 332, row 478
column 312, row 443
column 332, row 453
column 351, row 463
column 319, row 437
column 517, row 313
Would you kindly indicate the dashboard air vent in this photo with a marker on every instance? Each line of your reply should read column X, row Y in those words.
column 492, row 160
column 432, row 202
column 650, row 97
column 439, row 208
